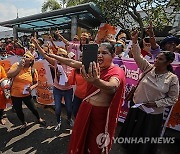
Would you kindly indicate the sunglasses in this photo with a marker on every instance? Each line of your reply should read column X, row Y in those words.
column 117, row 45
column 25, row 57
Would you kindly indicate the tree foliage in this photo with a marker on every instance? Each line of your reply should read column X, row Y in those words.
column 51, row 5
column 127, row 13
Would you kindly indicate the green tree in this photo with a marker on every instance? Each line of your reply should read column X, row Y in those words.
column 126, row 13
column 51, row 5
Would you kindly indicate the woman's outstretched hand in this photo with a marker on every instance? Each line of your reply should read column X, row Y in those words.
column 34, row 41
column 134, row 36
column 149, row 30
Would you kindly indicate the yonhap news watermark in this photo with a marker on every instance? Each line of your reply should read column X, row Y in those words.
column 144, row 140
column 103, row 140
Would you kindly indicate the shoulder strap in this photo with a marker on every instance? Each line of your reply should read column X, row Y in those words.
column 143, row 76
column 32, row 74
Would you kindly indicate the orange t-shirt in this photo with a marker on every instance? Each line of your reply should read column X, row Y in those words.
column 2, row 97
column 81, row 84
column 22, row 80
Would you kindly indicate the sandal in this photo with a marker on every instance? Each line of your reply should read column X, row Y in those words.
column 2, row 121
column 42, row 122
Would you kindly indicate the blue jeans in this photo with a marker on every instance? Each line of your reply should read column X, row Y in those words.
column 67, row 94
column 76, row 104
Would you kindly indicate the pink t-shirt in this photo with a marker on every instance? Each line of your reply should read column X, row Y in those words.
column 75, row 48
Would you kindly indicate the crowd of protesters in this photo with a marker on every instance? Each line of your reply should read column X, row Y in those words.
column 96, row 102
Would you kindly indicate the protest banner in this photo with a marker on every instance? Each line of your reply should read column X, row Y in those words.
column 174, row 119
column 44, row 90
column 106, row 30
column 7, row 63
column 132, row 73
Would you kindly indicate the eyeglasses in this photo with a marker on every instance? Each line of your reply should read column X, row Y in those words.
column 117, row 45
column 25, row 57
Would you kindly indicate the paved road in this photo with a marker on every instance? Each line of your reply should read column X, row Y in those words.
column 43, row 140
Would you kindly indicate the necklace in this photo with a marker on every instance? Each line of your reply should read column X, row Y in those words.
column 158, row 75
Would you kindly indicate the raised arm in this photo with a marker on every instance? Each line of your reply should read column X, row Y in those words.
column 15, row 69
column 150, row 32
column 42, row 52
column 52, row 42
column 62, row 38
column 111, row 40
column 142, row 63
column 67, row 61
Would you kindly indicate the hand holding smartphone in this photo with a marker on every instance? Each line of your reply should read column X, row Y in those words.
column 90, row 52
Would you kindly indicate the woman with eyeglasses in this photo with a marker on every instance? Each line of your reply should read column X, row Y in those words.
column 119, row 48
column 60, row 89
column 158, row 89
column 25, row 79
column 119, row 45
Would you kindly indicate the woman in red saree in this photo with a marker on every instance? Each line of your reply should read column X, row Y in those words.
column 96, row 120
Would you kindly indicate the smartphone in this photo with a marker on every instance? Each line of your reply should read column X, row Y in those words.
column 90, row 52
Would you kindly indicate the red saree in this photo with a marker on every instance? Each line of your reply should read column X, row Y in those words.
column 94, row 120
